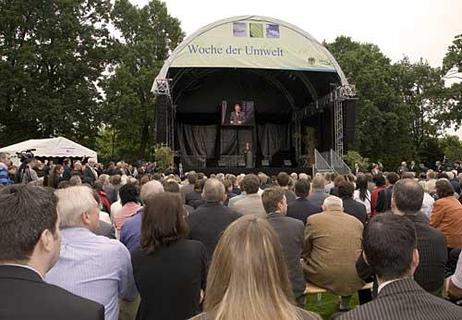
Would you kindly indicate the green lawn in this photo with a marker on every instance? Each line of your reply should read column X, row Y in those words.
column 327, row 306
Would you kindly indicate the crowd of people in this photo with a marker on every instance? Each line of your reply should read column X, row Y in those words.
column 86, row 242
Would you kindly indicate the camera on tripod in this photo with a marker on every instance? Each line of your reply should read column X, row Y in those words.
column 26, row 156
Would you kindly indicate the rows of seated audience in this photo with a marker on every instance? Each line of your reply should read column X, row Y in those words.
column 119, row 245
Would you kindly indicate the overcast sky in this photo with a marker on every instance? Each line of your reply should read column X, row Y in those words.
column 415, row 28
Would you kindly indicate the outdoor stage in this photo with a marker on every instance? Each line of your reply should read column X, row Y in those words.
column 252, row 93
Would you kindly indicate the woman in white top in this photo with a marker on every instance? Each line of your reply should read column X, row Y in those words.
column 362, row 194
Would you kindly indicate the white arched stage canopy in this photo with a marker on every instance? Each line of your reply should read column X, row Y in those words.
column 282, row 77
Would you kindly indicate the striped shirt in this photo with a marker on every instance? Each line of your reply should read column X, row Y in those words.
column 94, row 267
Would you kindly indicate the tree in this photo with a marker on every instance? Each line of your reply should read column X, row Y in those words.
column 452, row 69
column 52, row 56
column 147, row 35
column 452, row 147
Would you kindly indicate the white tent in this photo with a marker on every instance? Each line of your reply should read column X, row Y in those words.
column 52, row 147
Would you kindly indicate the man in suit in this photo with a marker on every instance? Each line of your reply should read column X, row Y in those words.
column 318, row 193
column 208, row 222
column 90, row 174
column 332, row 245
column 237, row 116
column 390, row 248
column 29, row 247
column 290, row 232
column 250, row 202
column 301, row 208
column 406, row 201
column 351, row 206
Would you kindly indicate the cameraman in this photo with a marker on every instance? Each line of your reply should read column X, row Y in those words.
column 26, row 172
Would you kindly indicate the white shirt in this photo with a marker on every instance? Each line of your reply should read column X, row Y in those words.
column 366, row 202
column 384, row 284
column 427, row 204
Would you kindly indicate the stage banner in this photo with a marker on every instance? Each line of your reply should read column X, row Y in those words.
column 252, row 44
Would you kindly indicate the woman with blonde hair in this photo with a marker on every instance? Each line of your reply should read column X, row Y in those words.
column 248, row 278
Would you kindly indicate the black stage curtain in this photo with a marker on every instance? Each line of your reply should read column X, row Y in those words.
column 233, row 140
column 197, row 141
column 273, row 138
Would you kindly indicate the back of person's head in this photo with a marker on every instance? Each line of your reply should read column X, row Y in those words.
column 302, row 188
column 345, row 189
column 407, row 196
column 450, row 175
column 163, row 221
column 263, row 179
column 28, row 218
column 390, row 246
column 431, row 174
column 116, row 179
column 283, row 179
column 63, row 184
column 444, row 188
column 98, row 186
column 214, row 190
column 392, row 177
column 318, row 183
column 77, row 207
column 75, row 181
column 248, row 277
column 332, row 203
column 150, row 188
column 129, row 193
column 379, row 180
column 171, row 186
column 272, row 198
column 199, row 185
column 104, row 178
column 362, row 182
column 192, row 177
column 408, row 175
column 304, row 176
column 338, row 180
column 250, row 184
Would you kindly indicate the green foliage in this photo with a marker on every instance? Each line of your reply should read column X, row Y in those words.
column 353, row 157
column 53, row 54
column 146, row 36
column 164, row 156
column 452, row 147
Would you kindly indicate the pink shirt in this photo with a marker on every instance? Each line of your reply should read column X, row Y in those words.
column 128, row 210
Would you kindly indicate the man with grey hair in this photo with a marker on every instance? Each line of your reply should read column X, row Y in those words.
column 130, row 234
column 90, row 174
column 209, row 221
column 332, row 245
column 91, row 266
column 318, row 194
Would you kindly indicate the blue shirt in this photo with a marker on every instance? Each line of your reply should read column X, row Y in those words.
column 94, row 267
column 4, row 176
column 130, row 234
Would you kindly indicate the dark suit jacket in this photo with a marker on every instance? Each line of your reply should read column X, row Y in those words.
column 404, row 299
column 88, row 176
column 291, row 235
column 208, row 222
column 24, row 295
column 356, row 209
column 431, row 244
column 301, row 209
column 105, row 229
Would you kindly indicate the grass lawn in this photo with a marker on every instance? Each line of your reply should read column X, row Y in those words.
column 327, row 306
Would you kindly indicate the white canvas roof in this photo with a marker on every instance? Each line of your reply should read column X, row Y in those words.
column 52, row 147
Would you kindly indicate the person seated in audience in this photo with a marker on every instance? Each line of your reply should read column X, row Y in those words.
column 208, row 222
column 358, row 210
column 428, row 200
column 169, row 270
column 379, row 181
column 130, row 201
column 248, row 276
column 194, row 198
column 384, row 196
column 446, row 214
column 431, row 182
column 94, row 267
column 284, row 181
column 332, row 245
column 105, row 227
column 407, row 201
column 362, row 194
column 29, row 247
column 337, row 180
column 103, row 197
column 318, row 194
column 390, row 248
column 302, row 208
column 290, row 232
column 189, row 187
column 250, row 202
column 130, row 234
